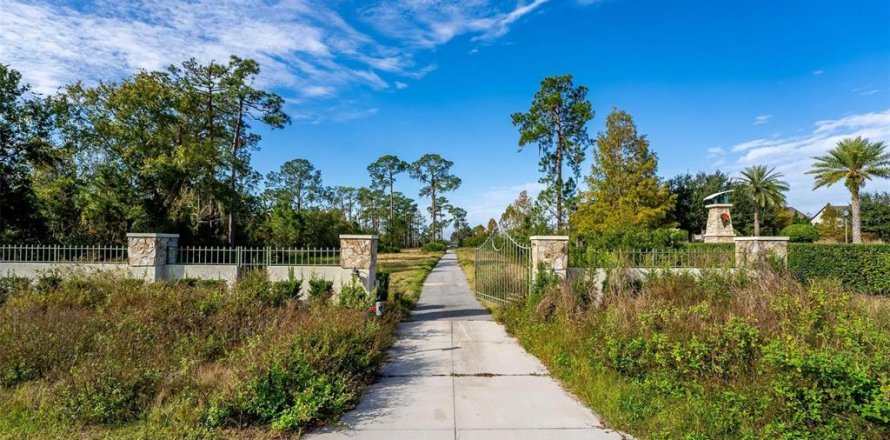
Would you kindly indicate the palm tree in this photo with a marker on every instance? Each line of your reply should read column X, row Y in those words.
column 855, row 161
column 765, row 187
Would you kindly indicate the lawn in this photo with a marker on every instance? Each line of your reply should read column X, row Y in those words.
column 105, row 357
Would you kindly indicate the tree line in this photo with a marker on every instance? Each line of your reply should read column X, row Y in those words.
column 626, row 204
column 170, row 151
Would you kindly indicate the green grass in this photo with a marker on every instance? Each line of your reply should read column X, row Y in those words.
column 105, row 357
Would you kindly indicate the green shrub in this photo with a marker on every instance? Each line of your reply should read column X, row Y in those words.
column 281, row 291
column 353, row 295
column 864, row 268
column 435, row 246
column 800, row 233
column 320, row 289
column 11, row 285
column 382, row 293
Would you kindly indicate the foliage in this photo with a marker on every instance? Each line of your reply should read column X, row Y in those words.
column 557, row 123
column 876, row 215
column 523, row 218
column 623, row 188
column 434, row 246
column 297, row 184
column 800, row 233
column 765, row 187
column 860, row 268
column 24, row 146
column 320, row 289
column 689, row 211
column 833, row 224
column 855, row 161
column 383, row 174
column 434, row 174
column 720, row 356
column 382, row 293
column 353, row 295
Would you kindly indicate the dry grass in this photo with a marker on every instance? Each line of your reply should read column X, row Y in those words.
column 466, row 256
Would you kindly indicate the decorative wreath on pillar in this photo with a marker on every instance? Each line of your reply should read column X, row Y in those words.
column 725, row 218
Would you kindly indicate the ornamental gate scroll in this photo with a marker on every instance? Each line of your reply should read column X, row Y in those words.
column 502, row 268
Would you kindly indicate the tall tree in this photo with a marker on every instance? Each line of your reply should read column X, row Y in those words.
column 434, row 173
column 383, row 175
column 557, row 122
column 690, row 190
column 246, row 103
column 24, row 144
column 623, row 187
column 855, row 161
column 876, row 215
column 298, row 181
column 766, row 188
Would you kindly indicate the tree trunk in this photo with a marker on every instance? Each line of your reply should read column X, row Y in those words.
column 559, row 192
column 856, row 220
column 236, row 143
column 391, row 210
column 756, row 219
column 433, row 209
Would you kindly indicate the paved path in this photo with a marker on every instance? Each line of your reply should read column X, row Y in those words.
column 456, row 374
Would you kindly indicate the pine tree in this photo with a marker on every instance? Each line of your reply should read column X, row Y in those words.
column 623, row 188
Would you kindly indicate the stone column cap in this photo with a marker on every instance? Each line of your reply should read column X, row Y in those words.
column 549, row 237
column 761, row 238
column 151, row 235
column 719, row 205
column 359, row 236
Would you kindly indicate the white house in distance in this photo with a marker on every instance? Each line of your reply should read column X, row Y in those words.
column 817, row 219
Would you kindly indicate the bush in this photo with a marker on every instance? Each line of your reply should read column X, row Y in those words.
column 12, row 284
column 434, row 246
column 382, row 286
column 320, row 289
column 800, row 233
column 863, row 268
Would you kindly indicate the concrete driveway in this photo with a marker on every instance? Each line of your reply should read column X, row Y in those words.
column 454, row 373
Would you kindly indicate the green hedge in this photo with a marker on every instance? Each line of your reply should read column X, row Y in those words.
column 863, row 268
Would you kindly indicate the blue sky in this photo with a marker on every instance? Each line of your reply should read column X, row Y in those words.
column 715, row 85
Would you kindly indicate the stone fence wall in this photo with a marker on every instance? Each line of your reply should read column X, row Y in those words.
column 153, row 257
column 550, row 253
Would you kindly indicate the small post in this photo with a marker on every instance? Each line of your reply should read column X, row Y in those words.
column 551, row 253
column 149, row 253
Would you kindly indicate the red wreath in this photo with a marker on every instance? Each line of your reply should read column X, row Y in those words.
column 725, row 218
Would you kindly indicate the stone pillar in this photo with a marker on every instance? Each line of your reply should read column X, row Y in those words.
column 359, row 253
column 718, row 230
column 749, row 250
column 149, row 253
column 550, row 252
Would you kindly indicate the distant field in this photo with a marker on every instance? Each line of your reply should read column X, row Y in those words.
column 106, row 357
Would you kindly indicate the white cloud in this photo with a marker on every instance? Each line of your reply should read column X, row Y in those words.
column 400, row 85
column 429, row 23
column 762, row 119
column 793, row 155
column 716, row 150
column 818, row 72
column 306, row 46
column 865, row 91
